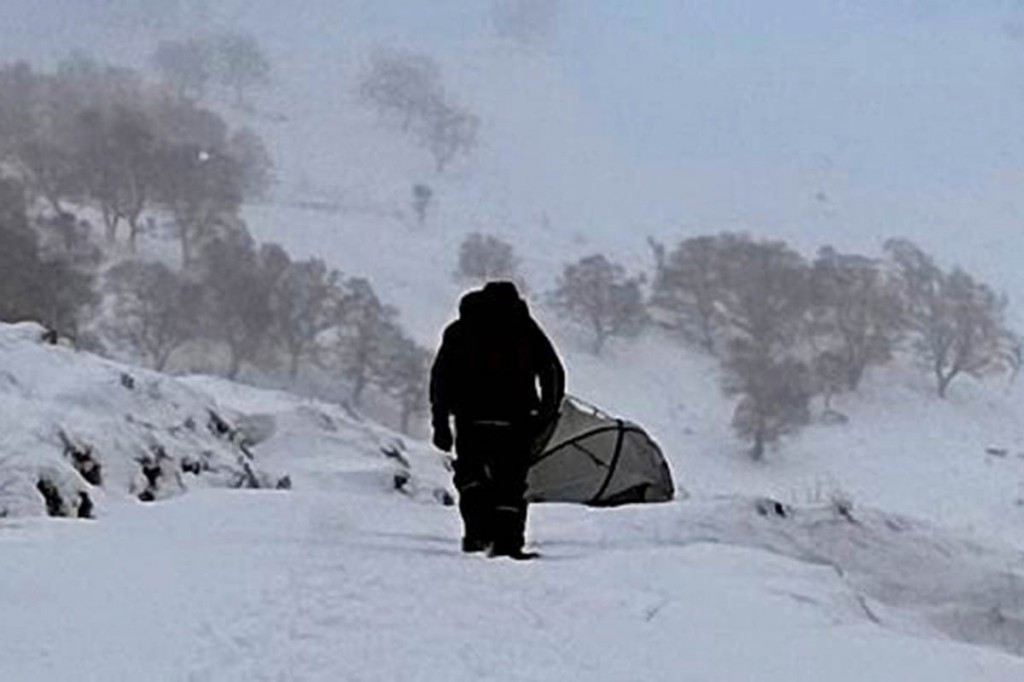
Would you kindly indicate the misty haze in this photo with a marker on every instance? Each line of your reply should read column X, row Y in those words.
column 723, row 301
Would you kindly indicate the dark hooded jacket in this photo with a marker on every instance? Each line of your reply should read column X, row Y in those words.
column 493, row 360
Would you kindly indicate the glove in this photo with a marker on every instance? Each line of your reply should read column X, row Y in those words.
column 443, row 440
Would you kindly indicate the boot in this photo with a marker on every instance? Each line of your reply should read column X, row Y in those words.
column 471, row 545
column 516, row 553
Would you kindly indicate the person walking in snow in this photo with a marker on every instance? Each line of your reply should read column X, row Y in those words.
column 486, row 375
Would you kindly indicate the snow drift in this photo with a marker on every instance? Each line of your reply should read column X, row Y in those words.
column 75, row 427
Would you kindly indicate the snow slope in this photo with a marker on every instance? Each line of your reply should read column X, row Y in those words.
column 355, row 573
column 57, row 405
column 363, row 585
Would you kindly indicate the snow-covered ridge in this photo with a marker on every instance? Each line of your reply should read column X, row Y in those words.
column 88, row 429
column 366, row 520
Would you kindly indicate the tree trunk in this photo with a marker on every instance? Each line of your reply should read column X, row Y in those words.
column 757, row 452
column 854, row 375
column 160, row 359
column 133, row 233
column 707, row 340
column 110, row 220
column 236, row 362
column 184, row 238
column 599, row 337
column 357, row 389
column 944, row 380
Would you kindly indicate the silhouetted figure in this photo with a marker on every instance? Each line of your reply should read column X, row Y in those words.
column 499, row 376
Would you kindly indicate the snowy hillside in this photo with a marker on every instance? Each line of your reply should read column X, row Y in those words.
column 236, row 533
column 80, row 425
column 346, row 577
column 356, row 572
column 96, row 434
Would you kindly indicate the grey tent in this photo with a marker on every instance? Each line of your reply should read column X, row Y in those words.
column 592, row 458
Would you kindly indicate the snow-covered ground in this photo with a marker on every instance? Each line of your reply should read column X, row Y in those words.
column 348, row 576
column 895, row 554
column 355, row 583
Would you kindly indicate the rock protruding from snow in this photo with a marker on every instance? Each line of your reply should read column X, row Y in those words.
column 75, row 427
column 323, row 445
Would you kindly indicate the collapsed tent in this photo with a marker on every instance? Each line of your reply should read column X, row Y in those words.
column 591, row 458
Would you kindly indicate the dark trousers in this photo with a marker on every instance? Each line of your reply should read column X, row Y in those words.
column 490, row 475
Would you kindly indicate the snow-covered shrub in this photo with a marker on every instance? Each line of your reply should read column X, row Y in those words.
column 597, row 293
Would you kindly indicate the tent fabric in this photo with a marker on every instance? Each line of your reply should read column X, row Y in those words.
column 592, row 458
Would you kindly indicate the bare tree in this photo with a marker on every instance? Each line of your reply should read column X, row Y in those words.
column 43, row 145
column 238, row 285
column 764, row 299
column 830, row 375
column 302, row 302
column 41, row 119
column 774, row 394
column 19, row 86
column 205, row 172
column 366, row 322
column 486, row 257
column 856, row 312
column 118, row 158
column 179, row 122
column 19, row 256
column 598, row 293
column 66, row 237
column 958, row 324
column 185, row 66
column 447, row 131
column 764, row 291
column 240, row 65
column 51, row 168
column 687, row 285
column 155, row 310
column 254, row 163
column 202, row 190
column 403, row 374
column 400, row 83
column 408, row 86
column 974, row 339
column 51, row 290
